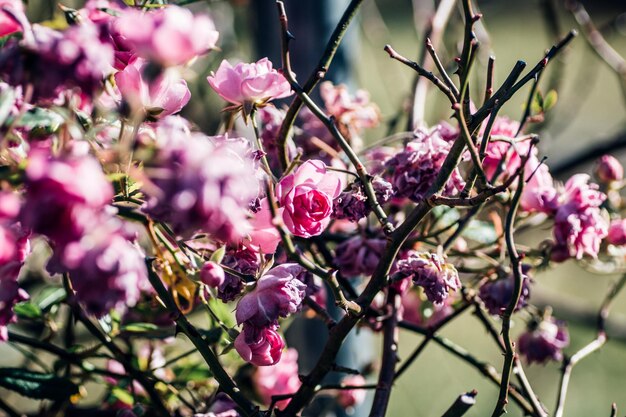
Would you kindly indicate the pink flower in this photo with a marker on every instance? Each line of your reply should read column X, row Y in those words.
column 421, row 312
column 255, row 83
column 8, row 24
column 212, row 274
column 259, row 346
column 168, row 36
column 307, row 198
column 279, row 379
column 544, row 341
column 62, row 194
column 431, row 272
column 263, row 238
column 579, row 225
column 617, row 232
column 351, row 397
column 539, row 193
column 609, row 169
column 278, row 293
column 354, row 111
column 165, row 95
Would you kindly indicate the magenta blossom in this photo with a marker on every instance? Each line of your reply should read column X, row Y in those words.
column 166, row 94
column 579, row 225
column 609, row 169
column 8, row 24
column 432, row 273
column 279, row 379
column 544, row 341
column 617, row 232
column 278, row 293
column 259, row 346
column 539, row 193
column 168, row 36
column 496, row 294
column 255, row 83
column 307, row 198
column 212, row 274
column 62, row 194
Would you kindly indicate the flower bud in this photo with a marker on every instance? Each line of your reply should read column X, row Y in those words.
column 617, row 232
column 609, row 169
column 212, row 274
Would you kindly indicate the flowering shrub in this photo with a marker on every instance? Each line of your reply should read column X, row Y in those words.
column 150, row 228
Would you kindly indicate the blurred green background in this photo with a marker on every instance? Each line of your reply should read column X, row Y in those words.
column 590, row 110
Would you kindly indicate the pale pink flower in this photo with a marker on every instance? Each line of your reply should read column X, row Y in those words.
column 279, row 379
column 263, row 237
column 539, row 193
column 255, row 83
column 166, row 94
column 354, row 111
column 350, row 397
column 307, row 198
column 168, row 36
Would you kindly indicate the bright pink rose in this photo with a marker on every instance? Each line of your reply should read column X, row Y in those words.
column 351, row 397
column 8, row 24
column 617, row 232
column 255, row 83
column 264, row 238
column 168, row 36
column 259, row 346
column 165, row 95
column 279, row 379
column 278, row 293
column 307, row 198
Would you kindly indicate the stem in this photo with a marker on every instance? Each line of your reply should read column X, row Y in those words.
column 389, row 357
column 597, row 343
column 516, row 265
column 462, row 404
column 314, row 78
column 221, row 376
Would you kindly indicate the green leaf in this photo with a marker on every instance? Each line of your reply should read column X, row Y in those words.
column 41, row 121
column 550, row 100
column 536, row 106
column 27, row 310
column 122, row 395
column 49, row 297
column 6, row 104
column 218, row 255
column 139, row 327
column 37, row 385
column 481, row 232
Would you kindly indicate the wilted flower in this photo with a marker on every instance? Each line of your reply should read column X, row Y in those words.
column 359, row 255
column 200, row 185
column 413, row 170
column 307, row 198
column 544, row 341
column 432, row 273
column 168, row 36
column 350, row 397
column 244, row 261
column 253, row 84
column 259, row 346
column 166, row 94
column 609, row 169
column 278, row 293
column 280, row 379
column 496, row 294
column 353, row 205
